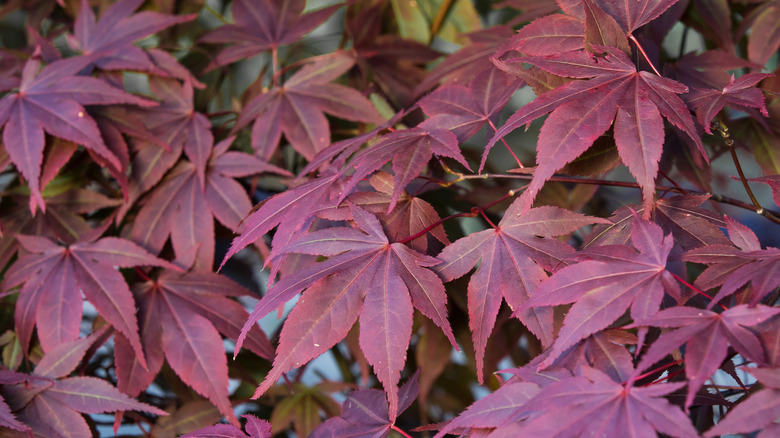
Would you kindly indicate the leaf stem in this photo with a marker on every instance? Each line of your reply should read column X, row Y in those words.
column 658, row 370
column 519, row 163
column 723, row 130
column 397, row 429
column 695, row 289
column 642, row 50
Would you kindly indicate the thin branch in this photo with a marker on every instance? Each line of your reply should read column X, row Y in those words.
column 723, row 130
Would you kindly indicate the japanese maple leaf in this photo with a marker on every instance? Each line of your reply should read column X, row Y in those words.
column 759, row 412
column 50, row 100
column 62, row 220
column 615, row 278
column 109, row 41
column 365, row 276
column 764, row 39
column 631, row 15
column 51, row 403
column 682, row 216
column 464, row 110
column 512, row 259
column 254, row 427
column 53, row 278
column 731, row 268
column 184, row 206
column 174, row 123
column 181, row 318
column 469, row 61
column 393, row 63
column 588, row 405
column 531, row 9
column 290, row 210
column 365, row 414
column 583, row 110
column 410, row 217
column 707, row 336
column 297, row 108
column 547, row 35
column 494, row 410
column 261, row 25
column 739, row 93
column 409, row 150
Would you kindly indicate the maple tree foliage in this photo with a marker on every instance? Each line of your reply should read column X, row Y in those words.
column 612, row 271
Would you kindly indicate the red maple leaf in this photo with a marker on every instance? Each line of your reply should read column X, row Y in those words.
column 512, row 260
column 409, row 150
column 615, row 278
column 764, row 39
column 184, row 205
column 592, row 404
column 297, row 108
column 365, row 276
column 254, row 427
column 181, row 318
column 584, row 110
column 109, row 41
column 53, row 277
column 731, row 268
column 707, row 336
column 738, row 93
column 50, row 403
column 261, row 25
column 50, row 100
column 365, row 414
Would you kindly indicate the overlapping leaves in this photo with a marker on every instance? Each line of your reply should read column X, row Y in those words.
column 365, row 276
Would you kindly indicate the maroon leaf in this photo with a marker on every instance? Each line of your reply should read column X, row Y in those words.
column 289, row 210
column 464, row 110
column 707, row 336
column 331, row 303
column 53, row 278
column 635, row 14
column 52, row 408
column 409, row 150
column 592, row 405
column 50, row 100
column 296, row 108
column 109, row 41
column 182, row 316
column 732, row 268
column 512, row 261
column 365, row 414
column 739, row 93
column 468, row 62
column 691, row 225
column 764, row 38
column 184, row 206
column 264, row 25
column 616, row 278
column 255, row 428
column 583, row 110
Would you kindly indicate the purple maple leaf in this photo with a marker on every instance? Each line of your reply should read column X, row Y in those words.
column 512, row 261
column 365, row 276
column 615, row 278
column 53, row 277
column 109, row 41
column 50, row 100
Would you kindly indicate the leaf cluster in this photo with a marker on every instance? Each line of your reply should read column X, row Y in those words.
column 324, row 216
